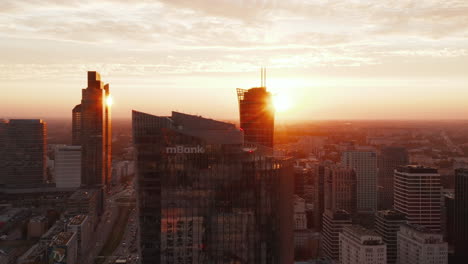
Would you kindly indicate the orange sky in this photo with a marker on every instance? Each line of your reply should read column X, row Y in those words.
column 334, row 59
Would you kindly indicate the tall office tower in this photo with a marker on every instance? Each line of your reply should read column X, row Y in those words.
column 95, row 132
column 257, row 115
column 419, row 245
column 387, row 224
column 3, row 149
column 333, row 224
column 364, row 162
column 204, row 197
column 460, row 229
column 76, row 125
column 340, row 189
column 418, row 195
column 448, row 218
column 23, row 153
column 359, row 245
column 68, row 166
column 321, row 171
column 389, row 159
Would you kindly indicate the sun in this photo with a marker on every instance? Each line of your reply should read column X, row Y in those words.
column 109, row 101
column 281, row 102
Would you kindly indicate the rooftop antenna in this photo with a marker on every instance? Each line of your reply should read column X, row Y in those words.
column 262, row 77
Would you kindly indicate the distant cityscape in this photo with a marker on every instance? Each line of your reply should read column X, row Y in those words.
column 183, row 188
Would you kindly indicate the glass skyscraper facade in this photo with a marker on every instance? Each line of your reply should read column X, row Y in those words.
column 92, row 129
column 204, row 197
column 23, row 150
column 257, row 115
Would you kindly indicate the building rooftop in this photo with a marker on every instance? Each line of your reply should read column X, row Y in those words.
column 77, row 219
column 62, row 239
column 416, row 169
column 364, row 235
column 420, row 229
column 83, row 194
column 38, row 219
column 391, row 215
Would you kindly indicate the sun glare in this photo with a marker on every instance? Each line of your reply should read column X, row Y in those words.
column 281, row 102
column 109, row 101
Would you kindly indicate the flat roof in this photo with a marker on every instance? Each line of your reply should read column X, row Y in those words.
column 78, row 219
column 62, row 238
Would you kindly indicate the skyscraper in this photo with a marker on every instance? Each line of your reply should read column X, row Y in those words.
column 389, row 159
column 204, row 197
column 387, row 224
column 321, row 172
column 333, row 224
column 418, row 195
column 460, row 229
column 76, row 125
column 364, row 163
column 23, row 144
column 257, row 115
column 93, row 131
column 340, row 189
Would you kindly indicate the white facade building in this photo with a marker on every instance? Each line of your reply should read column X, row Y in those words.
column 419, row 245
column 418, row 195
column 68, row 166
column 364, row 163
column 361, row 246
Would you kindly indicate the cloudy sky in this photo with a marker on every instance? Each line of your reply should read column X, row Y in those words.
column 386, row 59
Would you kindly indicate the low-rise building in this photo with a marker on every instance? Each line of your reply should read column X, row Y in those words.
column 420, row 245
column 63, row 248
column 359, row 245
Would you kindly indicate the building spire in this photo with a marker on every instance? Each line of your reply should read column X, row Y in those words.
column 262, row 77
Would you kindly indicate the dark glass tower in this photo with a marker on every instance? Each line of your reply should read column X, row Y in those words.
column 76, row 125
column 340, row 189
column 389, row 159
column 257, row 115
column 203, row 197
column 460, row 230
column 23, row 150
column 92, row 129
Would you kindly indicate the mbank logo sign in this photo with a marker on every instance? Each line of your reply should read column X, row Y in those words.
column 185, row 150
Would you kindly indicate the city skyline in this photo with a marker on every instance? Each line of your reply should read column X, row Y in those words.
column 323, row 61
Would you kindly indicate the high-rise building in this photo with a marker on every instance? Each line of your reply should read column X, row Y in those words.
column 257, row 115
column 364, row 163
column 23, row 150
column 460, row 229
column 226, row 202
column 419, row 245
column 388, row 160
column 448, row 218
column 333, row 224
column 83, row 228
column 68, row 166
column 340, row 189
column 418, row 195
column 92, row 129
column 320, row 172
column 359, row 245
column 387, row 224
column 76, row 125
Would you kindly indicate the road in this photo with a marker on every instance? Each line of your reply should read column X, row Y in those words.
column 104, row 228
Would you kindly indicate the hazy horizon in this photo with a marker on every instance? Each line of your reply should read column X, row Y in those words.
column 361, row 60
